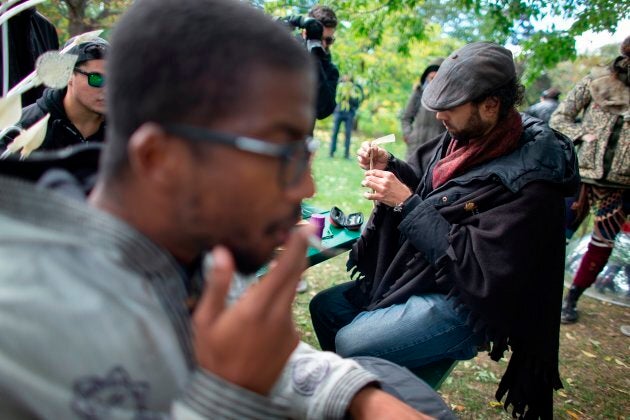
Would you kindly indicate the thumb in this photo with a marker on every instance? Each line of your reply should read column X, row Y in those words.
column 218, row 279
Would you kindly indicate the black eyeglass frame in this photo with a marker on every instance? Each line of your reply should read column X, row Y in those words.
column 89, row 74
column 284, row 152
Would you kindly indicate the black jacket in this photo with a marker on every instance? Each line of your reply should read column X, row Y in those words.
column 328, row 77
column 61, row 132
column 543, row 110
column 30, row 35
column 493, row 239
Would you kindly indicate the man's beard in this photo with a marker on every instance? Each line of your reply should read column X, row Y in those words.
column 475, row 127
column 247, row 261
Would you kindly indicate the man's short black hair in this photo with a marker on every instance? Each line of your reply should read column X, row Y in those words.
column 187, row 61
column 325, row 15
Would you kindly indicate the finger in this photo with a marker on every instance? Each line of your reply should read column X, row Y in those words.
column 371, row 182
column 278, row 287
column 373, row 196
column 218, row 279
column 376, row 173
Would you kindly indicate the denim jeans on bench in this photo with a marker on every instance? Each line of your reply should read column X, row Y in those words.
column 424, row 329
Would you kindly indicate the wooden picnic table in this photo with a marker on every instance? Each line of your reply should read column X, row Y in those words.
column 334, row 240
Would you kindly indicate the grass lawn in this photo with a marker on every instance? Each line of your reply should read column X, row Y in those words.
column 594, row 355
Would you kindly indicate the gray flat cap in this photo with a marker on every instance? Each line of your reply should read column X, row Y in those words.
column 468, row 74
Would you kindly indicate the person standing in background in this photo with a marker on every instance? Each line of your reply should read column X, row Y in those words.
column 602, row 137
column 328, row 74
column 418, row 123
column 349, row 97
column 547, row 105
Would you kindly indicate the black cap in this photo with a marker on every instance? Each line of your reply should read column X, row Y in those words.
column 94, row 49
column 468, row 74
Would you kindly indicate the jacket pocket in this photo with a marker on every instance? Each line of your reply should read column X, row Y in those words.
column 587, row 151
column 621, row 161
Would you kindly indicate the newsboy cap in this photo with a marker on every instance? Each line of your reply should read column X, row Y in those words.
column 468, row 74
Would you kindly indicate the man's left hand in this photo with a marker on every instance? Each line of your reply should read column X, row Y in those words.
column 387, row 188
column 373, row 403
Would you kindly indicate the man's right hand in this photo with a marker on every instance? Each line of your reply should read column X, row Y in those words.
column 249, row 343
column 379, row 156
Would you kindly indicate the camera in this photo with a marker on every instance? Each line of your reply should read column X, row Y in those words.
column 314, row 32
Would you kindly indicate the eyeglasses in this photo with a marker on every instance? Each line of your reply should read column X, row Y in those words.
column 329, row 40
column 294, row 157
column 96, row 80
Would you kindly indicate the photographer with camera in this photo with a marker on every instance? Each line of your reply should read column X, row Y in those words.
column 318, row 30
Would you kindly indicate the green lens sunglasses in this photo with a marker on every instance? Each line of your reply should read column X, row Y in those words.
column 96, row 80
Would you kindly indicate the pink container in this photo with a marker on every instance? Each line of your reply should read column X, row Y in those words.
column 319, row 220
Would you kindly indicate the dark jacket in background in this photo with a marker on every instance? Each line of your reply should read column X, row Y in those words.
column 30, row 35
column 543, row 109
column 328, row 77
column 61, row 132
column 419, row 125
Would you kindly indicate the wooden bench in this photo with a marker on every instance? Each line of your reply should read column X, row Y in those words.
column 435, row 373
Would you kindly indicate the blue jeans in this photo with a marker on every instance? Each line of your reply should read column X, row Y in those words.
column 424, row 329
column 346, row 117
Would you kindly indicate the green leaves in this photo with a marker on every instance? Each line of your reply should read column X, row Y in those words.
column 544, row 50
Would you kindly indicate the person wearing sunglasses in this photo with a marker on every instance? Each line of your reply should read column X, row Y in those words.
column 77, row 112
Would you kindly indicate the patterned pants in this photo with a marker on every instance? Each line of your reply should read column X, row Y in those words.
column 610, row 208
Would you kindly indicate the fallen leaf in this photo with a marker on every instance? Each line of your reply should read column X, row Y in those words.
column 595, row 342
column 569, row 380
column 620, row 390
column 608, row 359
column 457, row 407
column 562, row 394
column 620, row 363
column 573, row 414
column 569, row 336
column 495, row 404
column 587, row 354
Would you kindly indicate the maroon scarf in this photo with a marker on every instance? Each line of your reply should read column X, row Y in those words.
column 459, row 157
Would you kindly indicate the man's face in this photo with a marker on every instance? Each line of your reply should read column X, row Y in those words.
column 465, row 122
column 328, row 37
column 90, row 98
column 235, row 197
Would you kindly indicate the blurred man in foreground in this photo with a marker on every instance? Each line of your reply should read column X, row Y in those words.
column 109, row 310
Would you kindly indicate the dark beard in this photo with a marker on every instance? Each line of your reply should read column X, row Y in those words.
column 246, row 262
column 475, row 127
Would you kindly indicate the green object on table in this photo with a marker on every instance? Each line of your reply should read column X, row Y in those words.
column 334, row 240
